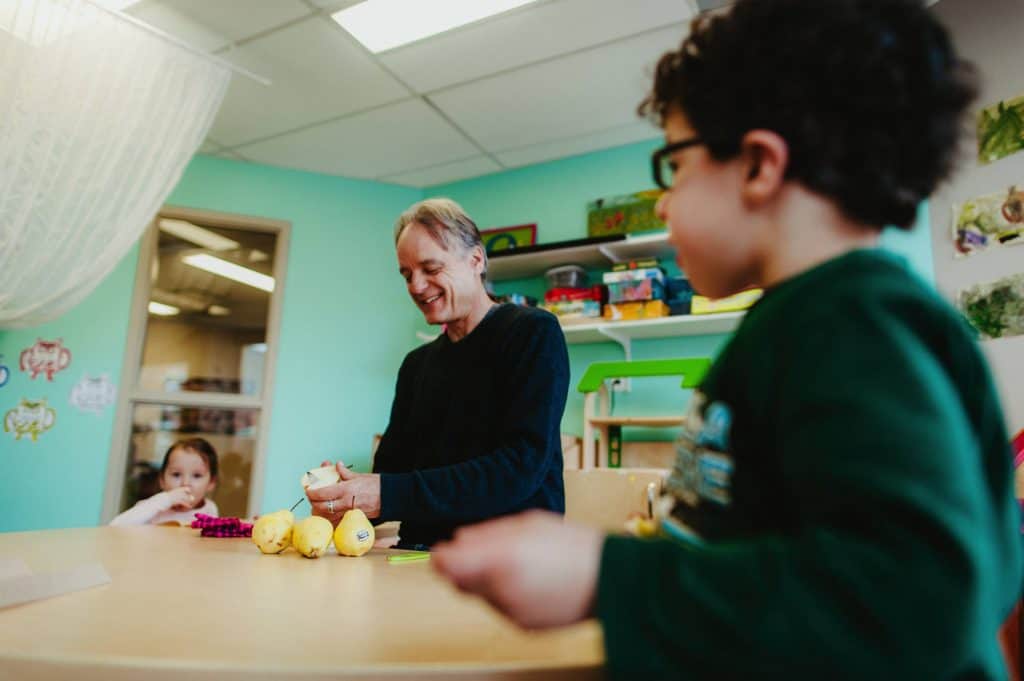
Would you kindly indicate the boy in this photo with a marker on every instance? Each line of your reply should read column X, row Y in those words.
column 843, row 503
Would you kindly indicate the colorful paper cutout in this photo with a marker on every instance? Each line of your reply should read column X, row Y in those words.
column 45, row 357
column 32, row 418
column 995, row 309
column 93, row 393
column 989, row 221
column 1001, row 130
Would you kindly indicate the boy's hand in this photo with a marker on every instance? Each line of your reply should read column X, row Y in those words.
column 180, row 499
column 535, row 568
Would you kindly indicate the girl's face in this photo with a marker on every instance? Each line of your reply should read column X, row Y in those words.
column 186, row 468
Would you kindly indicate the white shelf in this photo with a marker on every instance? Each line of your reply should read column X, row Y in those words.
column 526, row 265
column 649, row 421
column 624, row 333
column 662, row 327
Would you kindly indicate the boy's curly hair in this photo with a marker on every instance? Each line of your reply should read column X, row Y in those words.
column 868, row 94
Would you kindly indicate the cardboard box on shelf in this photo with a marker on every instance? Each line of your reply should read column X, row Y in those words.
column 649, row 309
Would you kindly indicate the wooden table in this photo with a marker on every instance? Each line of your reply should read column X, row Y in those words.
column 181, row 606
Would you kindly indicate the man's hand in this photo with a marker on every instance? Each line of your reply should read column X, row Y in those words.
column 356, row 490
column 535, row 568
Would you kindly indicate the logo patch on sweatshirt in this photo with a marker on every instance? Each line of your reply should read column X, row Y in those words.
column 704, row 466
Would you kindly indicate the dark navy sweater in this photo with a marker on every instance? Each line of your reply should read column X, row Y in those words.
column 474, row 429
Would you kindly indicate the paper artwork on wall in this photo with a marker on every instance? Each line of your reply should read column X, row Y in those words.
column 508, row 238
column 93, row 393
column 1001, row 130
column 31, row 418
column 995, row 309
column 624, row 214
column 5, row 373
column 987, row 221
column 45, row 357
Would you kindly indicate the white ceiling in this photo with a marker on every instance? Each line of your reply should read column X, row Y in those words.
column 549, row 80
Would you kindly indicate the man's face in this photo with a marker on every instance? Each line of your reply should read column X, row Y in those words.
column 716, row 242
column 444, row 284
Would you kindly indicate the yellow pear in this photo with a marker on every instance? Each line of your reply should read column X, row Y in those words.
column 312, row 536
column 354, row 535
column 272, row 533
column 288, row 516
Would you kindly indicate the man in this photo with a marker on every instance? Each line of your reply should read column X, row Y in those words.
column 474, row 429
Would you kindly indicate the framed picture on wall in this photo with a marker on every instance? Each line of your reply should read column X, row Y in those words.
column 508, row 238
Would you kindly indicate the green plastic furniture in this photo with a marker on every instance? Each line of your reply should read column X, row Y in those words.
column 606, row 430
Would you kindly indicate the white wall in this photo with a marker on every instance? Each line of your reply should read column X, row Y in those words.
column 991, row 34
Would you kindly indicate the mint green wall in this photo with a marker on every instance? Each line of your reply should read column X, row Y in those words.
column 346, row 321
column 58, row 480
column 346, row 325
column 554, row 195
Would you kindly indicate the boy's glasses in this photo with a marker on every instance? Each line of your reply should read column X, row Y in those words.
column 662, row 165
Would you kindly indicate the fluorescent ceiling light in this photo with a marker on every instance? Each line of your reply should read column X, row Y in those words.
column 162, row 310
column 230, row 270
column 218, row 311
column 383, row 24
column 197, row 235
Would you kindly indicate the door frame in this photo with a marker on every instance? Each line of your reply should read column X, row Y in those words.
column 130, row 395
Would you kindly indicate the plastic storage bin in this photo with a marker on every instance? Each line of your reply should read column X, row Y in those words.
column 566, row 276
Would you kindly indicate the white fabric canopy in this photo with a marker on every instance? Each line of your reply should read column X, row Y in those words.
column 98, row 118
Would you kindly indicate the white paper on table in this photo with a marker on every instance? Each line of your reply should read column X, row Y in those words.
column 18, row 585
column 12, row 567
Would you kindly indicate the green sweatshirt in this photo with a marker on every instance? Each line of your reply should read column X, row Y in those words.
column 844, row 499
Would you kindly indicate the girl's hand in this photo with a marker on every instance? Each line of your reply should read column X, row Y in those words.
column 180, row 499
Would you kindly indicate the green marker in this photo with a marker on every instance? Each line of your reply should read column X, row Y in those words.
column 409, row 557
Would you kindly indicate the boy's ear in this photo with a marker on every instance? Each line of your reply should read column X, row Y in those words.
column 766, row 155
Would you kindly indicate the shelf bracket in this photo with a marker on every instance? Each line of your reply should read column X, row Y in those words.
column 608, row 253
column 622, row 339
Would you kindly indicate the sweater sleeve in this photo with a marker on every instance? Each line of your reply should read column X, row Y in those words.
column 497, row 481
column 900, row 561
column 142, row 512
column 392, row 442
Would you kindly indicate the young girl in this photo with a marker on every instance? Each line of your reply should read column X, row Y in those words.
column 188, row 474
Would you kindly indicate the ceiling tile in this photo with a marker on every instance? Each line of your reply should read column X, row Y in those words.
column 181, row 26
column 317, row 73
column 531, row 34
column 581, row 93
column 581, row 144
column 334, row 5
column 233, row 155
column 224, row 21
column 209, row 147
column 445, row 172
column 385, row 141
